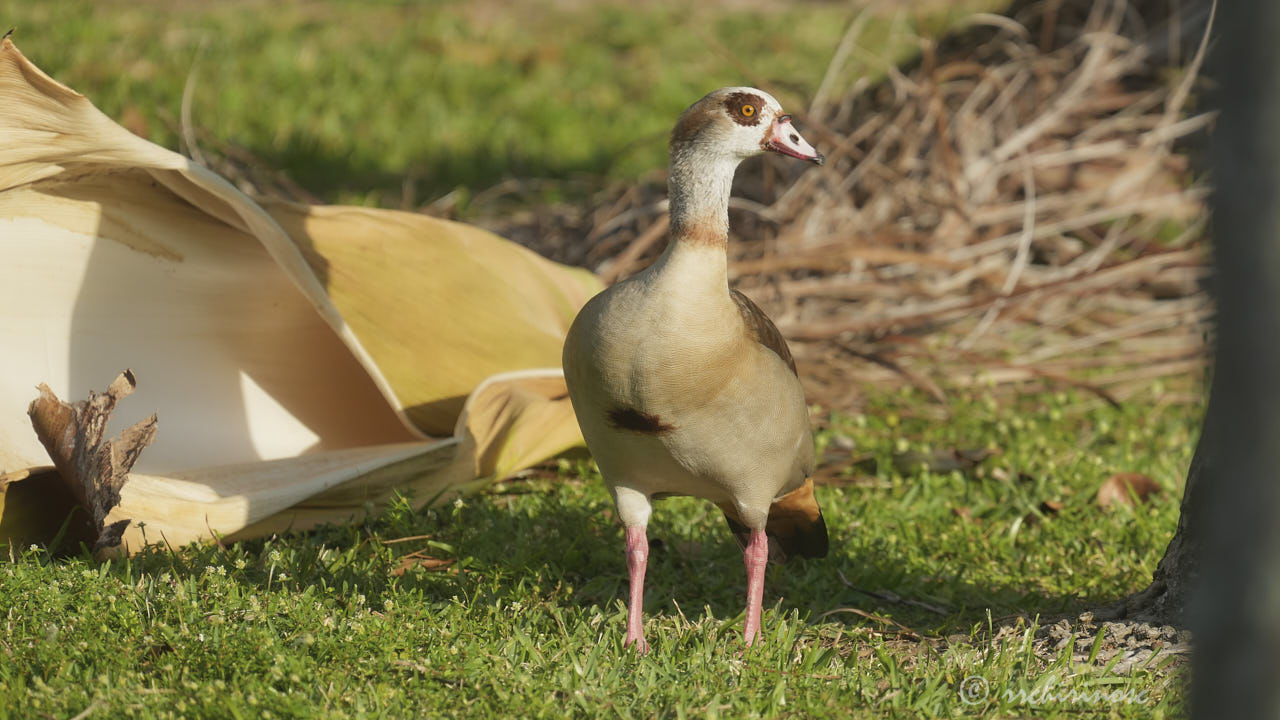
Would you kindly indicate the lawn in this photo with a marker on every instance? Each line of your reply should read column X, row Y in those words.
column 510, row 603
column 397, row 104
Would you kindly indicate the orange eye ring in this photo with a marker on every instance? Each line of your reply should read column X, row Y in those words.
column 748, row 110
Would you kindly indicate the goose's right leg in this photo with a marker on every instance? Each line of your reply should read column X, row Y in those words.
column 634, row 510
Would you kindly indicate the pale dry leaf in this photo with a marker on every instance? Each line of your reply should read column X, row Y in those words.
column 426, row 562
column 310, row 363
column 1123, row 488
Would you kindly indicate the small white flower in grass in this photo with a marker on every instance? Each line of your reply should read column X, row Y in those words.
column 458, row 503
column 240, row 563
column 329, row 622
column 282, row 576
column 360, row 599
column 387, row 604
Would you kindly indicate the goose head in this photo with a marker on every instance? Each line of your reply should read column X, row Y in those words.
column 737, row 123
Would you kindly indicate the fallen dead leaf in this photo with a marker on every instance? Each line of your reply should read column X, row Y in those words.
column 1124, row 488
column 413, row 560
column 157, row 230
column 940, row 461
column 1047, row 509
column 1051, row 507
column 936, row 461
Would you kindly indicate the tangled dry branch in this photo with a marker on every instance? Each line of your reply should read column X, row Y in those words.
column 1015, row 207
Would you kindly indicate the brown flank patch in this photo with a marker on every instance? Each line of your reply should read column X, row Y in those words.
column 636, row 421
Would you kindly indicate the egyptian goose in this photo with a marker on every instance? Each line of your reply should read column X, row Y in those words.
column 683, row 386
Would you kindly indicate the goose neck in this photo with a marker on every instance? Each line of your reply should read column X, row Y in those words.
column 698, row 187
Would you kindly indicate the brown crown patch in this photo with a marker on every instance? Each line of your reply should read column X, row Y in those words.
column 744, row 108
column 689, row 124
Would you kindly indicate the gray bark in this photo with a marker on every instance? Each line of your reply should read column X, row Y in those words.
column 1165, row 600
column 1232, row 509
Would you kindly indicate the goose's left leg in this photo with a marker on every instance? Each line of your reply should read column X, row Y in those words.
column 755, row 557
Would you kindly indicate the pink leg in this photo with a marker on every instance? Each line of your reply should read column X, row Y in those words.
column 755, row 557
column 637, row 560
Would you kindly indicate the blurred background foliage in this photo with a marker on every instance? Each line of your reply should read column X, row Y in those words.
column 399, row 104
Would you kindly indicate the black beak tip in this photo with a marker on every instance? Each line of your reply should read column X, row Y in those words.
column 819, row 159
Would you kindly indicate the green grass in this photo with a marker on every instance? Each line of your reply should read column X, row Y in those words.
column 527, row 621
column 396, row 104
column 360, row 101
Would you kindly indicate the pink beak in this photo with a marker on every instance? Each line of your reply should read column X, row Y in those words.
column 784, row 138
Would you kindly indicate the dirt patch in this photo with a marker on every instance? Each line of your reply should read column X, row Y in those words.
column 1120, row 646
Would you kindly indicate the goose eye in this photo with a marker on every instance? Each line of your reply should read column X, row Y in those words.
column 748, row 110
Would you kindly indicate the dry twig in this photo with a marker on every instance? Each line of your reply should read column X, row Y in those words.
column 990, row 212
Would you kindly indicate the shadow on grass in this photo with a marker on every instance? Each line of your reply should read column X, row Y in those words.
column 336, row 176
column 532, row 548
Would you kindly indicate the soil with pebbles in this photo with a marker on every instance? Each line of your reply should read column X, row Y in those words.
column 1125, row 646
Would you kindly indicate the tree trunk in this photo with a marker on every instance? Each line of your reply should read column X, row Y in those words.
column 1165, row 600
column 1222, row 569
column 1235, row 611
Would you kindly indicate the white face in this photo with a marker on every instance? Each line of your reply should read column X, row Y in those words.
column 741, row 122
column 751, row 113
